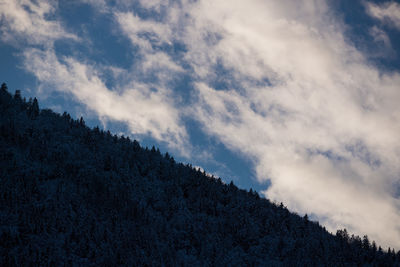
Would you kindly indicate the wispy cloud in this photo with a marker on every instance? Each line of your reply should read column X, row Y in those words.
column 144, row 33
column 387, row 12
column 148, row 36
column 144, row 109
column 27, row 20
column 320, row 122
column 381, row 37
column 147, row 108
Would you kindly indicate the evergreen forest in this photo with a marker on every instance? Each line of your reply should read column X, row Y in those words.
column 71, row 195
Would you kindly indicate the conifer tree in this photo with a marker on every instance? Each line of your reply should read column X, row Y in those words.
column 4, row 87
column 34, row 108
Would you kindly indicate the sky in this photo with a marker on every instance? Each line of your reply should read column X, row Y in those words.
column 297, row 99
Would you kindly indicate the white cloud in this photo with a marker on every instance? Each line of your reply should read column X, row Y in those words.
column 324, row 128
column 148, row 35
column 144, row 109
column 27, row 20
column 383, row 46
column 387, row 12
column 152, row 4
column 144, row 33
column 380, row 36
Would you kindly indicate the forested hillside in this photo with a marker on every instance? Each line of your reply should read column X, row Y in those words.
column 71, row 195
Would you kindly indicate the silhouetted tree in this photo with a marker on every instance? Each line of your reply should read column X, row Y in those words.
column 4, row 87
column 33, row 108
column 70, row 195
column 17, row 95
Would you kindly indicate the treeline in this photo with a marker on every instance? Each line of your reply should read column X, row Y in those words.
column 71, row 195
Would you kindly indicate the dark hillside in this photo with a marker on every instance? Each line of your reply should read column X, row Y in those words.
column 71, row 195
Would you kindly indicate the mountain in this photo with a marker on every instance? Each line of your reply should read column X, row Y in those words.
column 71, row 195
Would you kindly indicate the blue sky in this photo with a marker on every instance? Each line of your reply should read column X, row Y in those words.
column 298, row 99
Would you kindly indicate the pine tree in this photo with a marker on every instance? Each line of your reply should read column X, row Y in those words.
column 365, row 242
column 34, row 109
column 17, row 95
column 4, row 87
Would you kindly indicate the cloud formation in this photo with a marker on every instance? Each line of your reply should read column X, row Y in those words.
column 277, row 82
column 387, row 12
column 382, row 38
column 27, row 20
column 147, row 108
column 319, row 121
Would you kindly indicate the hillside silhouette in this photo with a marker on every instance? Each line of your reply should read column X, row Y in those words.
column 71, row 195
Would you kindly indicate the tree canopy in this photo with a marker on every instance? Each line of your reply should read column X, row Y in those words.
column 71, row 195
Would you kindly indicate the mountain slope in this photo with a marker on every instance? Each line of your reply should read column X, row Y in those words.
column 78, row 196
